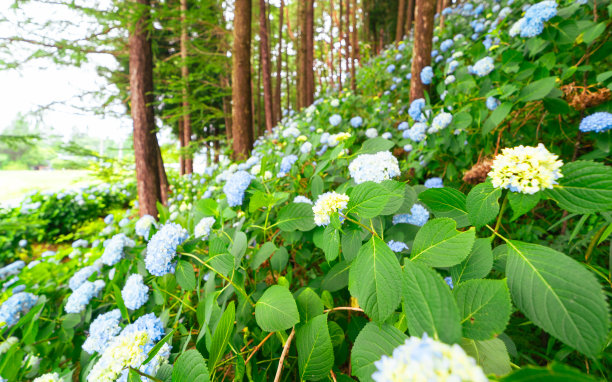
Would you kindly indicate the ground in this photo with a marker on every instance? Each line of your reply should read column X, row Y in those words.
column 14, row 184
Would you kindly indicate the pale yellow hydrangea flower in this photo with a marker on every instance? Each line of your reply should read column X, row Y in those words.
column 335, row 139
column 327, row 204
column 123, row 353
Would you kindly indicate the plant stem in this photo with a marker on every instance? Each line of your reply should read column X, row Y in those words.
column 501, row 213
column 279, row 369
column 593, row 243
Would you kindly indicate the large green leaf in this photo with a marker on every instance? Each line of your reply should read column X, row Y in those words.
column 190, row 367
column 484, row 306
column 374, row 341
column 374, row 145
column 367, row 200
column 337, row 277
column 331, row 244
column 397, row 194
column 559, row 295
column 315, row 350
column 309, row 305
column 522, row 203
column 482, row 203
column 476, row 265
column 446, row 202
column 351, row 242
column 276, row 310
column 222, row 335
column 496, row 117
column 554, row 372
column 296, row 216
column 263, row 254
column 491, row 355
column 584, row 188
column 439, row 244
column 238, row 247
column 429, row 304
column 537, row 89
column 185, row 276
column 373, row 279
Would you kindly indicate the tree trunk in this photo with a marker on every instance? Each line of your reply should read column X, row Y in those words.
column 279, row 66
column 444, row 5
column 163, row 179
column 354, row 46
column 265, row 65
column 227, row 108
column 182, row 147
column 423, row 34
column 438, row 6
column 309, row 62
column 409, row 17
column 242, row 128
column 349, row 49
column 399, row 31
column 340, row 39
column 146, row 151
column 185, row 77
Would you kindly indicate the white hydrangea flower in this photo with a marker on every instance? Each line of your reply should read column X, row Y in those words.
column 327, row 204
column 335, row 139
column 371, row 133
column 374, row 167
column 202, row 229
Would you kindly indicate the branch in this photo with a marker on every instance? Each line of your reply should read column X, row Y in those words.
column 279, row 370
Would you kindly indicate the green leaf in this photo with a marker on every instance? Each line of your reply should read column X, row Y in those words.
column 238, row 247
column 222, row 335
column 263, row 254
column 373, row 279
column 462, row 120
column 331, row 244
column 439, row 244
column 554, row 372
column 446, row 202
column 71, row 320
column 374, row 145
column 185, row 275
column 316, row 186
column 484, row 306
column 190, row 367
column 276, row 310
column 315, row 350
column 164, row 373
column 497, row 116
column 585, row 187
column 556, row 106
column 429, row 304
column 351, row 242
column 559, row 295
column 207, row 207
column 153, row 352
column 296, row 216
column 309, row 305
column 367, row 200
column 476, row 265
column 120, row 303
column 491, row 355
column 374, row 341
column 337, row 277
column 537, row 89
column 279, row 259
column 591, row 34
column 397, row 194
column 260, row 199
column 483, row 203
column 522, row 203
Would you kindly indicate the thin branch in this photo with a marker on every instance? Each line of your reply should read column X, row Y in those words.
column 279, row 369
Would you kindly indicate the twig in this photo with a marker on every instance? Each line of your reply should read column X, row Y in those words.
column 279, row 369
column 343, row 308
column 258, row 347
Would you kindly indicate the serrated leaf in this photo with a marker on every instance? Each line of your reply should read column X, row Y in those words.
column 429, row 304
column 373, row 279
column 185, row 276
column 153, row 352
column 190, row 367
column 497, row 116
column 446, row 202
column 238, row 247
column 164, row 373
column 279, row 259
column 397, row 194
column 316, row 186
column 585, row 187
column 71, row 320
column 315, row 350
column 484, row 307
column 439, row 244
column 559, row 295
column 476, row 265
column 337, row 277
column 222, row 335
column 296, row 216
column 276, row 310
column 522, row 203
column 373, row 341
column 491, row 355
column 351, row 242
column 309, row 305
column 367, row 200
column 331, row 244
column 483, row 203
column 263, row 254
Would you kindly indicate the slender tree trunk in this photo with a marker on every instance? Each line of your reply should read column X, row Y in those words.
column 347, row 37
column 182, row 146
column 354, row 46
column 438, row 6
column 227, row 109
column 401, row 12
column 260, row 110
column 141, row 97
column 279, row 66
column 409, row 17
column 330, row 61
column 445, row 4
column 163, row 179
column 423, row 33
column 309, row 62
column 265, row 65
column 185, row 78
column 381, row 40
column 341, row 45
column 242, row 128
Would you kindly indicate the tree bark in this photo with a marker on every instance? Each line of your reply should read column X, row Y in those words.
column 399, row 31
column 227, row 108
column 349, row 49
column 423, row 34
column 265, row 65
column 163, row 179
column 445, row 4
column 182, row 147
column 409, row 17
column 185, row 77
column 340, row 45
column 146, row 150
column 309, row 62
column 354, row 46
column 279, row 66
column 242, row 128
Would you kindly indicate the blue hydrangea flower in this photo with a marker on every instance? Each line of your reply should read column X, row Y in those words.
column 101, row 331
column 449, row 281
column 109, row 219
column 143, row 225
column 324, row 138
column 446, row 44
column 23, row 243
column 135, row 293
column 390, row 68
column 403, row 126
column 408, row 148
column 398, row 57
column 81, row 276
column 11, row 269
column 397, row 246
column 162, row 248
column 415, row 110
column 492, row 103
column 427, row 75
column 235, row 187
column 452, row 66
column 80, row 243
column 286, row 164
column 418, row 216
column 322, row 150
column 356, row 121
column 302, row 199
column 306, row 147
column 440, row 122
column 533, row 23
column 597, row 122
column 15, row 306
column 79, row 299
column 148, row 323
column 335, row 120
column 483, row 67
column 449, row 79
column 416, row 133
column 113, row 251
column 434, row 183
column 386, row 135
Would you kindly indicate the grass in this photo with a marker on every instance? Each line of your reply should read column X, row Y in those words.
column 17, row 183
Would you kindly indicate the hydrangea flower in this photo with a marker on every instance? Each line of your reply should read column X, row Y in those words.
column 23, row 243
column 418, row 216
column 335, row 102
column 49, row 377
column 324, row 138
column 80, row 243
column 427, row 75
column 306, row 147
column 202, row 229
column 525, row 169
column 390, row 68
column 452, row 66
column 446, row 45
column 449, row 79
column 335, row 139
column 492, row 103
column 113, row 251
column 291, row 131
column 440, row 122
column 109, row 219
column 143, row 225
column 371, row 133
column 533, row 23
column 79, row 299
column 326, row 205
column 81, row 276
column 449, row 281
column 11, row 269
column 162, row 248
column 16, row 305
column 335, row 120
column 408, row 148
column 235, row 187
column 386, row 135
column 135, row 294
column 424, row 359
column 397, row 246
column 483, row 67
column 415, row 110
column 101, row 331
column 286, row 164
column 374, row 167
column 416, row 133
column 302, row 199
column 434, row 183
column 356, row 121
column 403, row 126
column 597, row 122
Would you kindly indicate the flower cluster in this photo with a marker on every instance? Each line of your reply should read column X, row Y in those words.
column 492, row 103
column 415, row 110
column 113, row 251
column 135, row 293
column 597, row 122
column 434, row 183
column 416, row 133
column 302, row 199
column 49, row 377
column 397, row 246
column 162, row 248
column 418, row 216
column 427, row 75
column 16, row 305
column 440, row 122
column 286, row 164
column 202, row 229
column 483, row 67
column 80, row 298
column 101, row 331
column 424, row 359
column 327, row 204
column 374, row 167
column 525, row 169
column 533, row 23
column 12, row 269
column 143, row 225
column 335, row 139
column 81, row 276
column 235, row 187
column 335, row 120
column 356, row 121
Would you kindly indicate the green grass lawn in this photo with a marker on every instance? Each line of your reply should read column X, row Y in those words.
column 14, row 184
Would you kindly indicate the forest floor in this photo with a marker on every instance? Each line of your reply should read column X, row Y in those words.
column 14, row 184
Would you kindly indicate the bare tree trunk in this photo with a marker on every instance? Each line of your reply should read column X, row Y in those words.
column 185, row 78
column 438, row 6
column 347, row 34
column 227, row 109
column 141, row 93
column 309, row 59
column 340, row 40
column 330, row 61
column 444, row 5
column 354, row 46
column 381, row 40
column 401, row 12
column 423, row 34
column 279, row 66
column 409, row 17
column 163, row 179
column 265, row 65
column 182, row 146
column 242, row 129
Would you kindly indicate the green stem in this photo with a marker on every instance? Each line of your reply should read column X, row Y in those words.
column 152, row 378
column 593, row 243
column 359, row 224
column 501, row 213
